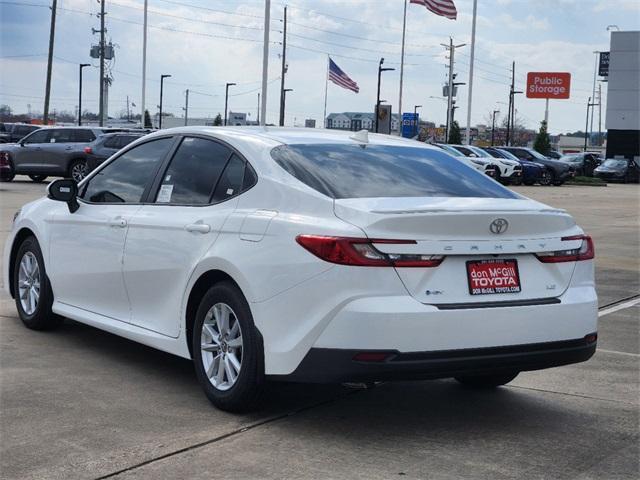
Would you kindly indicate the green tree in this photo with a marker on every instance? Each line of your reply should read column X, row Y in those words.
column 217, row 121
column 147, row 120
column 542, row 143
column 454, row 133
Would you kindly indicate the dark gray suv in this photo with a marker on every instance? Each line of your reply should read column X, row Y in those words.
column 56, row 151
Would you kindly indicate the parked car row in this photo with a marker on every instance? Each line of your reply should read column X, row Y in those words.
column 14, row 132
column 62, row 151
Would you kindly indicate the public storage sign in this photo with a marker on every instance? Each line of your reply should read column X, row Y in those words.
column 548, row 85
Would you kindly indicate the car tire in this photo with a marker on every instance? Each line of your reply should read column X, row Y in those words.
column 545, row 180
column 487, row 381
column 38, row 178
column 78, row 169
column 228, row 356
column 32, row 290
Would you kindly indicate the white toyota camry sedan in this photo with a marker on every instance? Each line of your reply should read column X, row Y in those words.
column 308, row 255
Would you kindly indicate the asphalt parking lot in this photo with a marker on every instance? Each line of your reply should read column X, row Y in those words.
column 81, row 403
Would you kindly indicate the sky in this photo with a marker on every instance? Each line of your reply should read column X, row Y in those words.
column 205, row 44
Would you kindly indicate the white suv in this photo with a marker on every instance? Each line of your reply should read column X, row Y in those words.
column 310, row 255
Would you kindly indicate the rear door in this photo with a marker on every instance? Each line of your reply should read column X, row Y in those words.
column 195, row 193
column 61, row 143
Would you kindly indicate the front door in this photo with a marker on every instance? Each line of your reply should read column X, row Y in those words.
column 30, row 156
column 87, row 246
column 168, row 236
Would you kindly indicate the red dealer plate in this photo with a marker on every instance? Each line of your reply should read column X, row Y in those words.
column 493, row 276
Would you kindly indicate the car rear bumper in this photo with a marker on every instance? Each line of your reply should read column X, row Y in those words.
column 326, row 365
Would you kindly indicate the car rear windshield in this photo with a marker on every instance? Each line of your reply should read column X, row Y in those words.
column 366, row 171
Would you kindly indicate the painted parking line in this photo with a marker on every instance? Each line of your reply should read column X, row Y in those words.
column 628, row 354
column 619, row 306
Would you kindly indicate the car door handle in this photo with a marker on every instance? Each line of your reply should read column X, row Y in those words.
column 68, row 148
column 118, row 222
column 198, row 227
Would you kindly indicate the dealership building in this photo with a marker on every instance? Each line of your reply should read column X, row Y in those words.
column 623, row 97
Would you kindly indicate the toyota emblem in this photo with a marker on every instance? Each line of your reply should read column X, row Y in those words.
column 498, row 226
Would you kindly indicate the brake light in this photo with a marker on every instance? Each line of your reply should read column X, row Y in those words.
column 586, row 251
column 88, row 150
column 361, row 252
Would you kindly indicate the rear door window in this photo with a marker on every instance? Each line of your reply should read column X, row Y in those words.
column 61, row 135
column 193, row 172
column 230, row 182
column 83, row 136
column 111, row 142
column 355, row 171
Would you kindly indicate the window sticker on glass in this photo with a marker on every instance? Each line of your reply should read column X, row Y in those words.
column 167, row 178
column 164, row 195
column 229, row 191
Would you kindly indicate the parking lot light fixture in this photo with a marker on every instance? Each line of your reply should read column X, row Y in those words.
column 82, row 65
column 378, row 101
column 226, row 101
column 162, row 77
column 415, row 119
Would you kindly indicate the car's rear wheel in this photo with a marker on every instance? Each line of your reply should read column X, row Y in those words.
column 32, row 290
column 545, row 179
column 38, row 178
column 487, row 381
column 78, row 169
column 227, row 350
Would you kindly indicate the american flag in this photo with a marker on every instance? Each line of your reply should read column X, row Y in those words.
column 337, row 76
column 445, row 8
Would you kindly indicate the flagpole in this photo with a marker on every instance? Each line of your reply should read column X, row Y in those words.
column 473, row 48
column 326, row 88
column 404, row 29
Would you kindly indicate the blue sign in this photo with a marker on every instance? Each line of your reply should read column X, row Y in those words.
column 410, row 124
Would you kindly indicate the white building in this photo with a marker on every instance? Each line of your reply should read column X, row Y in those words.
column 355, row 121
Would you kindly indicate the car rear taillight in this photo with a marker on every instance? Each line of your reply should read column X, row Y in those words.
column 4, row 159
column 585, row 251
column 88, row 150
column 361, row 252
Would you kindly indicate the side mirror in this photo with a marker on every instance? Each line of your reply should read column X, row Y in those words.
column 65, row 190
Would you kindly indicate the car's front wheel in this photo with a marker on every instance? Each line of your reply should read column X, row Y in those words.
column 38, row 178
column 32, row 289
column 78, row 169
column 487, row 381
column 227, row 350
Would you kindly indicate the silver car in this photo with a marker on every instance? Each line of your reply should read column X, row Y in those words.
column 56, row 151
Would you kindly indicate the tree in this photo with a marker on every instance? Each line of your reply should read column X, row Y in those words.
column 454, row 133
column 542, row 143
column 217, row 121
column 147, row 120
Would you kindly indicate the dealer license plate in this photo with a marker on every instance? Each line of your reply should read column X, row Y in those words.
column 493, row 276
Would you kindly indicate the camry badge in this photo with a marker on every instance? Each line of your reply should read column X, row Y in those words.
column 498, row 226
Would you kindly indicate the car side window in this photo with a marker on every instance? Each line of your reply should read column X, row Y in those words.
column 125, row 179
column 193, row 172
column 111, row 142
column 230, row 182
column 124, row 140
column 83, row 136
column 62, row 135
column 39, row 136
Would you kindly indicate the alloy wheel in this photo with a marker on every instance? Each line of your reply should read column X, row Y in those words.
column 221, row 346
column 79, row 171
column 29, row 283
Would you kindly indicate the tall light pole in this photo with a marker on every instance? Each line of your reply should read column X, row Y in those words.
column 82, row 65
column 265, row 60
column 415, row 119
column 586, row 126
column 380, row 70
column 52, row 35
column 226, row 101
column 144, row 64
column 593, row 93
column 162, row 77
column 284, row 68
column 493, row 126
column 102, row 32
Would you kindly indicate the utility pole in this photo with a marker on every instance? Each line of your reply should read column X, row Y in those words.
column 101, row 100
column 82, row 65
column 451, row 49
column 473, row 49
column 144, row 63
column 265, row 60
column 600, row 114
column 258, row 112
column 226, row 101
column 493, row 126
column 52, row 34
column 284, row 68
column 593, row 93
column 186, row 107
column 511, row 88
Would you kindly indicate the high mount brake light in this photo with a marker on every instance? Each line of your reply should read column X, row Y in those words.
column 361, row 252
column 585, row 251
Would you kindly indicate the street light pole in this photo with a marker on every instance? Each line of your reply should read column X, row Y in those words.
column 586, row 126
column 52, row 35
column 415, row 119
column 226, row 101
column 82, row 65
column 162, row 77
column 380, row 70
column 493, row 126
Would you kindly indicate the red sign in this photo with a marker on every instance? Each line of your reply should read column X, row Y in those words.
column 548, row 85
column 493, row 276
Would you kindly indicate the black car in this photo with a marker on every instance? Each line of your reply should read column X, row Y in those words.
column 583, row 162
column 106, row 145
column 14, row 132
column 560, row 171
column 619, row 169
